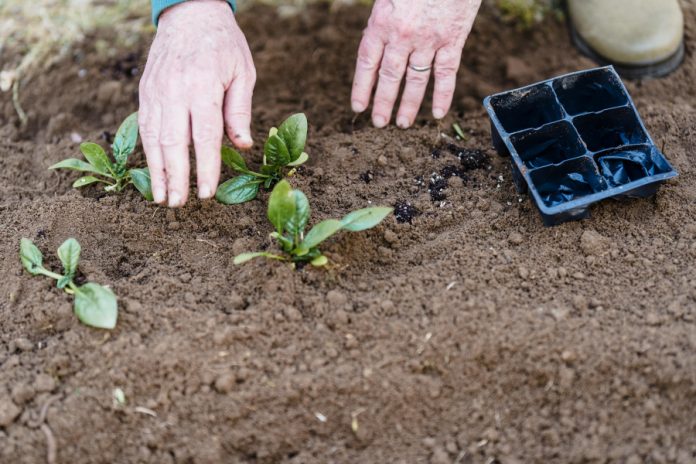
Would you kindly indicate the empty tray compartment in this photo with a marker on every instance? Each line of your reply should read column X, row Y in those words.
column 526, row 108
column 621, row 166
column 590, row 91
column 551, row 144
column 610, row 129
column 568, row 181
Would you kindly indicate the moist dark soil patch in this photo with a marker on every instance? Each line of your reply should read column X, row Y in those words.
column 469, row 333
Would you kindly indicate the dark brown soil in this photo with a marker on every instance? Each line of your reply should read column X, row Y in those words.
column 469, row 334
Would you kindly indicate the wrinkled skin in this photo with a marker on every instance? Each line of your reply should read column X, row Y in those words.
column 199, row 80
column 417, row 32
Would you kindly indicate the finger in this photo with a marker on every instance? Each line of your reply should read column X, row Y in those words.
column 414, row 90
column 366, row 66
column 445, row 71
column 206, row 128
column 237, row 109
column 174, row 142
column 391, row 72
column 149, row 120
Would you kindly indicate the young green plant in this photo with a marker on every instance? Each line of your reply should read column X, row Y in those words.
column 112, row 173
column 288, row 211
column 282, row 153
column 95, row 305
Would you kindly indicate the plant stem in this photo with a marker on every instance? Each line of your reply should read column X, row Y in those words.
column 48, row 273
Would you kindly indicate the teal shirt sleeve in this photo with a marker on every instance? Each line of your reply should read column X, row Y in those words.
column 158, row 6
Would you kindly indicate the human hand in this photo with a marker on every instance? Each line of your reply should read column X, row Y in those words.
column 199, row 78
column 403, row 35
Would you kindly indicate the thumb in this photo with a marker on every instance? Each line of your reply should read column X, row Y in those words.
column 237, row 110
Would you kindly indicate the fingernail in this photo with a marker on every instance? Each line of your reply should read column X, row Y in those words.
column 438, row 113
column 402, row 122
column 204, row 192
column 174, row 200
column 243, row 138
column 159, row 195
column 358, row 107
column 379, row 121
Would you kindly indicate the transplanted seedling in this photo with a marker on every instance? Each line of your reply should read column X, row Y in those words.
column 288, row 211
column 283, row 149
column 95, row 305
column 102, row 169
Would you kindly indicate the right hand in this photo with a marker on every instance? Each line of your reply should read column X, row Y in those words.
column 199, row 79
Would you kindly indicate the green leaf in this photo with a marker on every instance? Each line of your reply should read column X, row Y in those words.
column 293, row 132
column 458, row 130
column 281, row 205
column 272, row 131
column 319, row 261
column 64, row 282
column 96, row 306
column 244, row 257
column 141, row 179
column 76, row 165
column 276, row 151
column 267, row 183
column 125, row 139
column 233, row 159
column 31, row 256
column 96, row 157
column 298, row 221
column 238, row 190
column 86, row 180
column 285, row 242
column 69, row 254
column 302, row 159
column 319, row 233
column 365, row 218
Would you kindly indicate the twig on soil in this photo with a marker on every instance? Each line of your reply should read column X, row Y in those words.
column 44, row 411
column 207, row 241
column 51, row 447
column 17, row 106
column 143, row 410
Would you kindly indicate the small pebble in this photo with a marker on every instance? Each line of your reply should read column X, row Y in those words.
column 515, row 238
column 292, row 314
column 382, row 160
column 390, row 237
column 8, row 412
column 336, row 299
column 226, row 382
column 44, row 383
column 21, row 344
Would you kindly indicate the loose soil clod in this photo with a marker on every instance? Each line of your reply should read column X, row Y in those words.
column 405, row 212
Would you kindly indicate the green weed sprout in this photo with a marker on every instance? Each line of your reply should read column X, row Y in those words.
column 288, row 211
column 95, row 305
column 114, row 174
column 283, row 149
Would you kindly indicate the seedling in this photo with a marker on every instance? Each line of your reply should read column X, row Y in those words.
column 283, row 149
column 288, row 211
column 95, row 305
column 102, row 169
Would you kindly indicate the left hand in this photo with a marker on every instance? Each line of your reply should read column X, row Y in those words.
column 405, row 34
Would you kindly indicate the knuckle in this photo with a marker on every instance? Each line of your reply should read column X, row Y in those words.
column 206, row 134
column 365, row 62
column 418, row 78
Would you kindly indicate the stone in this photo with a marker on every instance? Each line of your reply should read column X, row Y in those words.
column 515, row 238
column 225, row 382
column 336, row 299
column 8, row 412
column 21, row 344
column 292, row 314
column 22, row 393
column 592, row 243
column 44, row 383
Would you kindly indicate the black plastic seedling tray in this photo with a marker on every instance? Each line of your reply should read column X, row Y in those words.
column 575, row 140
